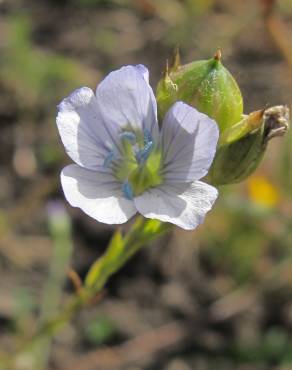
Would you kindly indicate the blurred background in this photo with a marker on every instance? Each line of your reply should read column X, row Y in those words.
column 216, row 298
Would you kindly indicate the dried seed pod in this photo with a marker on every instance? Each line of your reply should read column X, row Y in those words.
column 242, row 146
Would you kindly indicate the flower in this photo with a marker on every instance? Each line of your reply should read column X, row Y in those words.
column 124, row 164
column 262, row 192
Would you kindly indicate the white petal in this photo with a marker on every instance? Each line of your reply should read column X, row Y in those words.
column 125, row 99
column 144, row 71
column 184, row 205
column 99, row 195
column 85, row 136
column 188, row 140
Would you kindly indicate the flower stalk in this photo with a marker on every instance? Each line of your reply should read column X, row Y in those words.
column 119, row 251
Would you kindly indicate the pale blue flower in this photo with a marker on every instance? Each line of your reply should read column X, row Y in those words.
column 124, row 164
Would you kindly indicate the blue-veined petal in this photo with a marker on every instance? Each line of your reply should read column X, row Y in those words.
column 126, row 100
column 184, row 205
column 144, row 71
column 99, row 195
column 87, row 138
column 188, row 142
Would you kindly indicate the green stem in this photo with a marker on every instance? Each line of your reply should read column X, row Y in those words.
column 119, row 251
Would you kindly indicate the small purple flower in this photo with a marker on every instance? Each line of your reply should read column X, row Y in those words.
column 124, row 165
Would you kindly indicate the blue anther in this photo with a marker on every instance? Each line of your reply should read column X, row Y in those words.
column 127, row 190
column 108, row 159
column 147, row 136
column 130, row 136
column 143, row 154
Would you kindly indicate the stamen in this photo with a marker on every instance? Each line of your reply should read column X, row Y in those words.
column 127, row 190
column 147, row 136
column 108, row 159
column 130, row 136
column 143, row 154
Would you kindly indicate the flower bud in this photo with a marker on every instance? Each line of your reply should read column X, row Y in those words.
column 242, row 146
column 206, row 85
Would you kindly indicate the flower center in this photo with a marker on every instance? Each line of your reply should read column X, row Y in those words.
column 137, row 164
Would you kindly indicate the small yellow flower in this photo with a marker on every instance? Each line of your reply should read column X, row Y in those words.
column 262, row 192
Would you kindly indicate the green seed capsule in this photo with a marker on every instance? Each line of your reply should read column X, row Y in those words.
column 242, row 146
column 206, row 85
